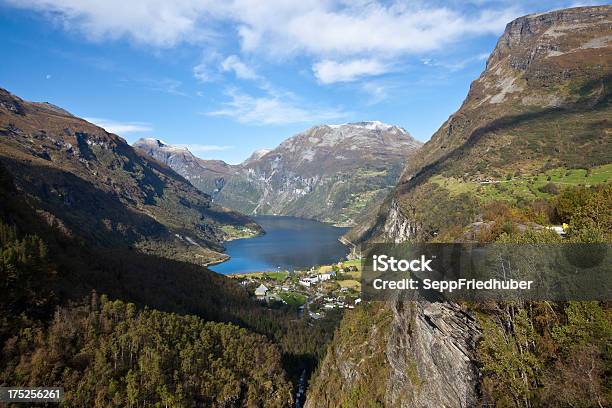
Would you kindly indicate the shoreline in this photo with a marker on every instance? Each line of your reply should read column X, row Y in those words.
column 224, row 258
column 271, row 267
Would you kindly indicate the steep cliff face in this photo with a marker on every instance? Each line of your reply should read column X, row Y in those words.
column 397, row 226
column 543, row 67
column 333, row 173
column 431, row 352
column 542, row 102
column 96, row 187
column 400, row 354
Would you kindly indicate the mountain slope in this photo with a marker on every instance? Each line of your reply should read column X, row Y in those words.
column 333, row 173
column 542, row 103
column 206, row 175
column 57, row 288
column 541, row 109
column 98, row 188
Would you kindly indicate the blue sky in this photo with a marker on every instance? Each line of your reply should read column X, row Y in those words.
column 228, row 77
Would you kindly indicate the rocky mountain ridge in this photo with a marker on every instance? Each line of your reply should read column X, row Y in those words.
column 95, row 186
column 542, row 102
column 333, row 173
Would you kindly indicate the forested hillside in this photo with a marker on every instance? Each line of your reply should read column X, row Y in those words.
column 96, row 187
column 58, row 326
column 110, row 353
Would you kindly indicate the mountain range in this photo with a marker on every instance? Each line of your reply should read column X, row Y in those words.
column 93, row 185
column 102, row 288
column 101, row 269
column 331, row 173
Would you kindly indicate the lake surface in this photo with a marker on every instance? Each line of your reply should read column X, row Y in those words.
column 289, row 243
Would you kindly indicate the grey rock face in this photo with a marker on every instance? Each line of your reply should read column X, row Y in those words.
column 431, row 345
column 333, row 173
column 431, row 352
column 406, row 354
column 398, row 228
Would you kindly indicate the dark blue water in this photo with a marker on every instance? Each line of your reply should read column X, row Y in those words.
column 289, row 243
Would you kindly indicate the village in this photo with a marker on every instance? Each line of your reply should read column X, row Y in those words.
column 312, row 292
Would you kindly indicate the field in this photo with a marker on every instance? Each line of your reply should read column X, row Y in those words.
column 293, row 298
column 234, row 232
column 325, row 268
column 525, row 187
column 349, row 283
column 277, row 276
column 352, row 262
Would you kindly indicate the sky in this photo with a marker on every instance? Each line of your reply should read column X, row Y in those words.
column 227, row 77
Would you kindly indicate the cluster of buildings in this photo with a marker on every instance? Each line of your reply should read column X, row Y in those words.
column 341, row 302
column 313, row 292
column 314, row 279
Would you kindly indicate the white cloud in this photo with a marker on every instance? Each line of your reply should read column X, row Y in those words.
column 271, row 110
column 457, row 65
column 329, row 72
column 120, row 128
column 157, row 23
column 376, row 92
column 240, row 69
column 212, row 65
column 330, row 29
column 325, row 31
column 201, row 72
column 205, row 70
column 167, row 85
column 201, row 148
column 323, row 28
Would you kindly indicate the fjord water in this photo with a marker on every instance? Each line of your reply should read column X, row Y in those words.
column 288, row 243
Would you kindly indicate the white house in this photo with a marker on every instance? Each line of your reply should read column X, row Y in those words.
column 261, row 291
column 559, row 229
column 326, row 276
column 305, row 282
